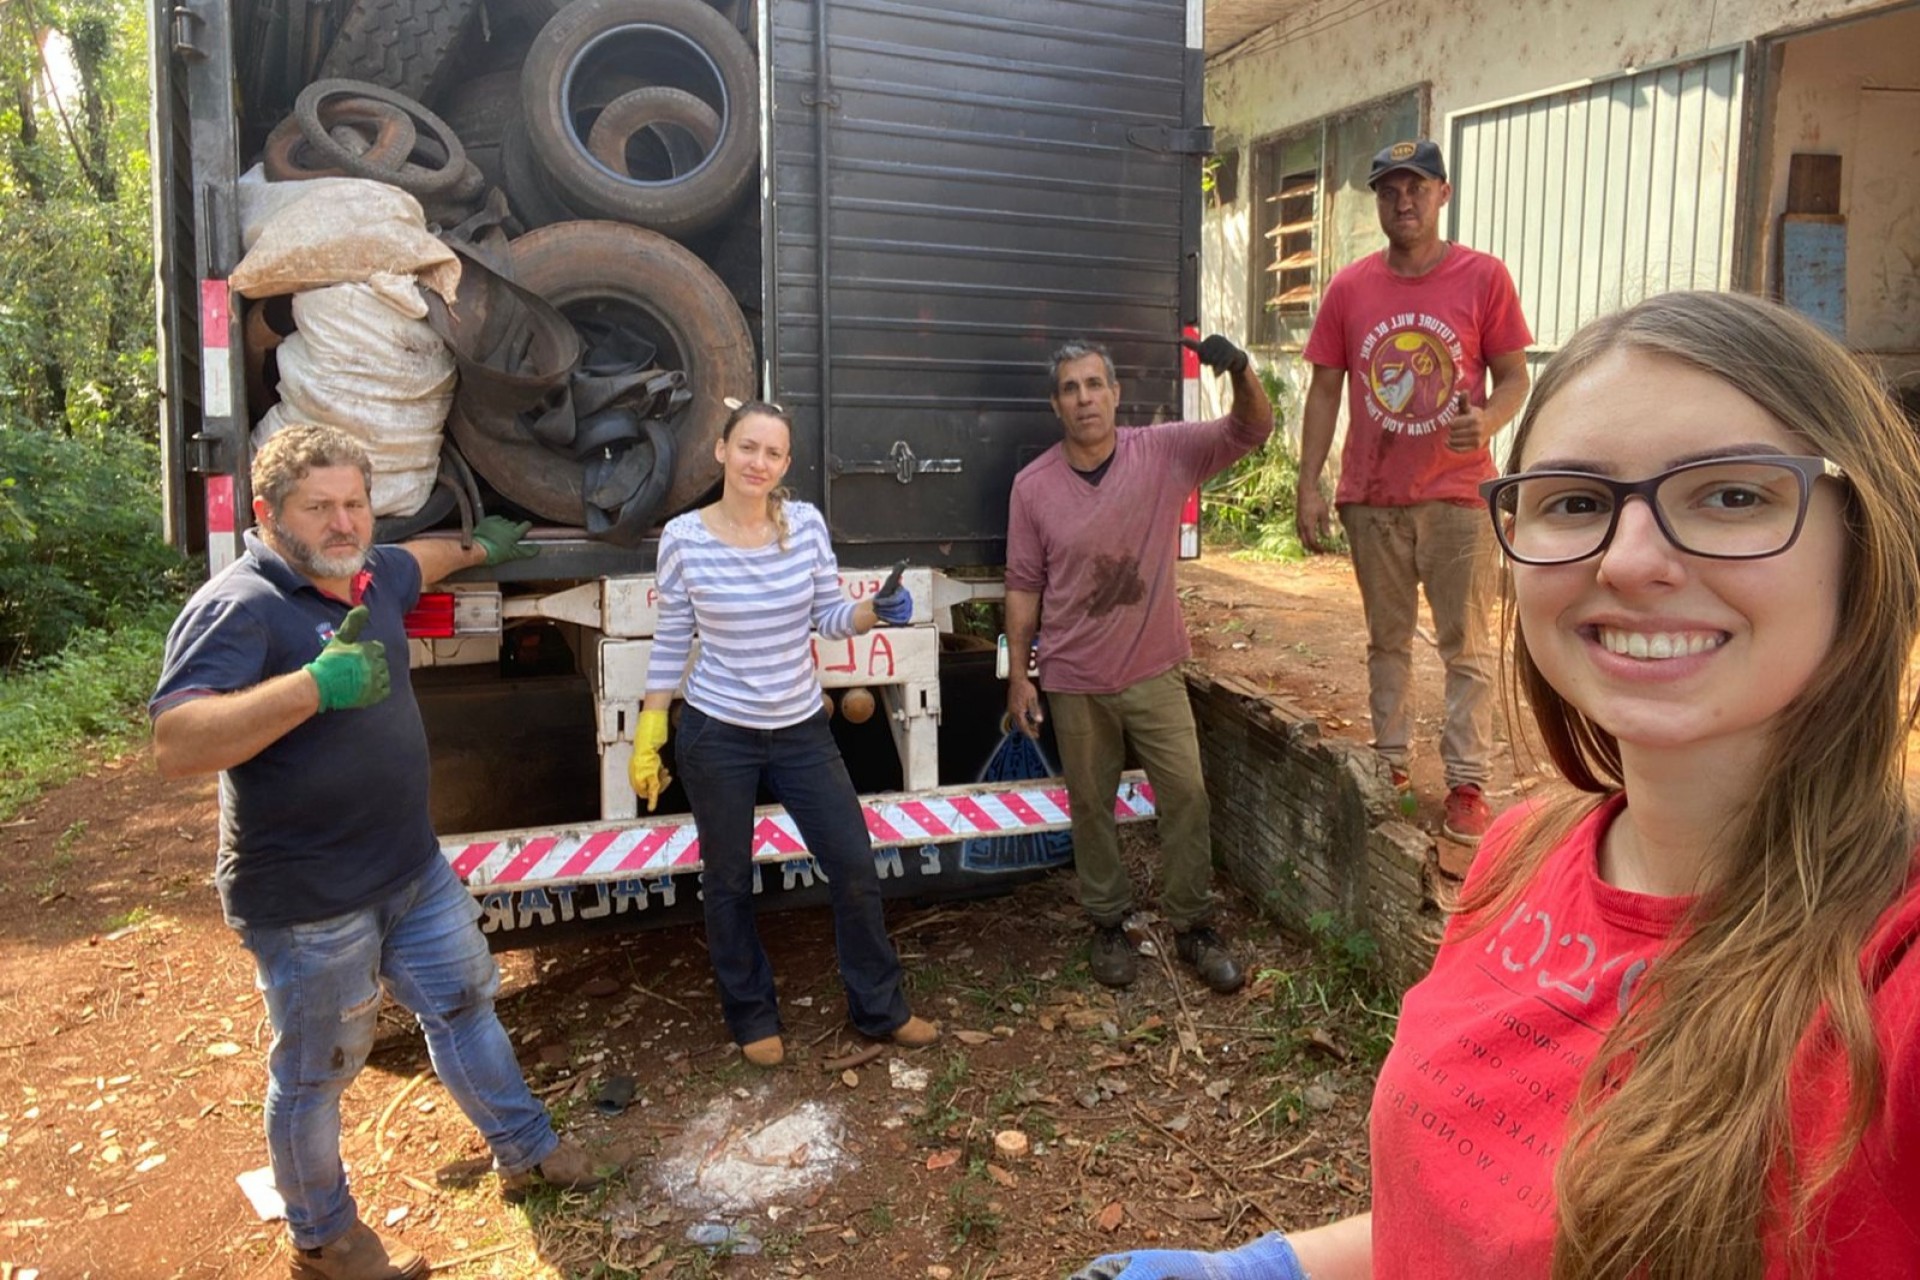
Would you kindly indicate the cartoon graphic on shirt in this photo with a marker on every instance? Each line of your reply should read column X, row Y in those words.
column 1412, row 364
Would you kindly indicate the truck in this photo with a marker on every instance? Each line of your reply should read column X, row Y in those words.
column 921, row 200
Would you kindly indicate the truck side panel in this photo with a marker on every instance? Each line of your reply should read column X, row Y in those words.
column 1001, row 178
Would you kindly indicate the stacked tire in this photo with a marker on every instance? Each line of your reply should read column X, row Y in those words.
column 626, row 142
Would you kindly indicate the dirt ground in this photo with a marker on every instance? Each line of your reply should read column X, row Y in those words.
column 132, row 1054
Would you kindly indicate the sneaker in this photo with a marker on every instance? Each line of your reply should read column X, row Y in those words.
column 1467, row 815
column 1203, row 949
column 358, row 1253
column 569, row 1168
column 1113, row 960
column 916, row 1033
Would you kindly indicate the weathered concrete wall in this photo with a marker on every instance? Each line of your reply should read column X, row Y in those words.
column 1854, row 92
column 1308, row 826
column 1324, row 58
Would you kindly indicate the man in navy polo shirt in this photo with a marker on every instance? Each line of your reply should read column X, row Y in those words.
column 287, row 675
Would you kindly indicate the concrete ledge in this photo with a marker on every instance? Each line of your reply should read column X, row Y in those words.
column 1310, row 828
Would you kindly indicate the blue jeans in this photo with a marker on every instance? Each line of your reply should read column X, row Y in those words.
column 323, row 982
column 721, row 768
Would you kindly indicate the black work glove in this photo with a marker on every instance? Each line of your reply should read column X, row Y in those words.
column 1217, row 353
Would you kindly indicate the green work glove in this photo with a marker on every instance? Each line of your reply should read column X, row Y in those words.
column 648, row 776
column 504, row 539
column 350, row 672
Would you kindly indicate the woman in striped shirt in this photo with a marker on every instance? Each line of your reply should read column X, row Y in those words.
column 754, row 576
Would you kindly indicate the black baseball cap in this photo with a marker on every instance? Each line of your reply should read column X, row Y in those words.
column 1422, row 156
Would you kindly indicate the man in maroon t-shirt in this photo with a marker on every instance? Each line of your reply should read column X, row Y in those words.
column 1414, row 331
column 1092, row 541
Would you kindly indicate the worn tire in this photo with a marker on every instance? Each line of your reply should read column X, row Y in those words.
column 691, row 129
column 397, row 44
column 608, row 270
column 689, row 41
column 536, row 201
column 449, row 158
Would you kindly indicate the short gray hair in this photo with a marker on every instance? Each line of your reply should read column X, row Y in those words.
column 289, row 454
column 1078, row 349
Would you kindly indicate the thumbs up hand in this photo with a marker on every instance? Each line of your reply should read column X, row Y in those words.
column 350, row 672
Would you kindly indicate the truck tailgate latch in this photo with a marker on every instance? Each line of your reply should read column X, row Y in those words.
column 900, row 463
column 206, row 454
column 1186, row 142
column 186, row 25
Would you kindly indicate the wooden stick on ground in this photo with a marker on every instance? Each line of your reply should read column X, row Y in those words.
column 1219, row 1173
column 380, row 1129
column 859, row 1058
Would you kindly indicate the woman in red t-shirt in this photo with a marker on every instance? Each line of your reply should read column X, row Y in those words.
column 1674, row 1030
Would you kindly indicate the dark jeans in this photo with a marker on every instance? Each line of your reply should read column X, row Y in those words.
column 721, row 767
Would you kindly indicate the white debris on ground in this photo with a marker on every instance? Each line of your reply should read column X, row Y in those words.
column 736, row 1158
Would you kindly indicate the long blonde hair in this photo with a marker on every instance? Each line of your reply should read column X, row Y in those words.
column 777, row 496
column 1680, row 1141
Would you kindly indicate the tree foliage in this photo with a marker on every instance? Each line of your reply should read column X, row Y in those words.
column 79, row 472
column 82, row 549
column 76, row 280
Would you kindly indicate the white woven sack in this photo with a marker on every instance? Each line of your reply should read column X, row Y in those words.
column 338, row 231
column 363, row 360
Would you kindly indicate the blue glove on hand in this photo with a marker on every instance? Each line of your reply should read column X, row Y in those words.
column 1268, row 1258
column 895, row 608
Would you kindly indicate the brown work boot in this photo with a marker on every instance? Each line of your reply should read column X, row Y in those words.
column 358, row 1253
column 569, row 1168
column 1112, row 958
column 765, row 1052
column 915, row 1033
column 1202, row 948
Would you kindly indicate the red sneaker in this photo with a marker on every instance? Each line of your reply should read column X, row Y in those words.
column 1467, row 816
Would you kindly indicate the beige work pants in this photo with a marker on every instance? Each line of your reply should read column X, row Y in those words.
column 1449, row 550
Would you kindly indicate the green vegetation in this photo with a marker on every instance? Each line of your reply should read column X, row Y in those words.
column 85, row 553
column 128, row 919
column 86, row 584
column 91, row 692
column 973, row 1216
column 1338, row 1009
column 943, row 1091
column 1248, row 508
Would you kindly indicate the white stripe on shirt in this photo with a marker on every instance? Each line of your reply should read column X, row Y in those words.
column 755, row 610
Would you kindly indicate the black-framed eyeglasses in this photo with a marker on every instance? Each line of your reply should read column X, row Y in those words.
column 1743, row 508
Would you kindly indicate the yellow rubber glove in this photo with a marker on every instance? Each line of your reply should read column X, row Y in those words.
column 648, row 776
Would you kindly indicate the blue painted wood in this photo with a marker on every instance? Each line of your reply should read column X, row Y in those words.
column 1813, row 269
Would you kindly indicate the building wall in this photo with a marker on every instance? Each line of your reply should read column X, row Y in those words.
column 1854, row 92
column 1327, row 56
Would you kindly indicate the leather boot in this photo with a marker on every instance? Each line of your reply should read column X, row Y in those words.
column 1112, row 959
column 569, row 1168
column 765, row 1052
column 358, row 1253
column 915, row 1033
column 1202, row 948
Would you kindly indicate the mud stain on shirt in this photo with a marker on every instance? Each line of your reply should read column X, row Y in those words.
column 1116, row 582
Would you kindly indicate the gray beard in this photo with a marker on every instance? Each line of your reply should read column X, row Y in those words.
column 314, row 563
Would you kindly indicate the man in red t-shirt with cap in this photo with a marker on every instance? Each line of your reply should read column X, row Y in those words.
column 1414, row 332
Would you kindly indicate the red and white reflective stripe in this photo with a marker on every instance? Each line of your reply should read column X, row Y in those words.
column 660, row 846
column 1190, row 412
column 216, row 401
